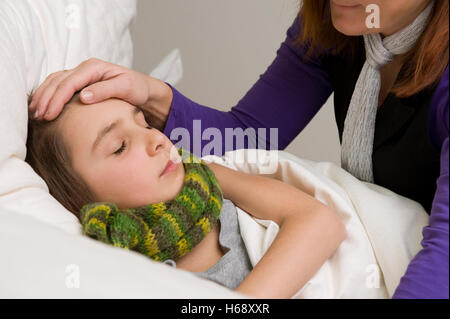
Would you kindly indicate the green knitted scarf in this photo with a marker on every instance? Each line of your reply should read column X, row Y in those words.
column 165, row 230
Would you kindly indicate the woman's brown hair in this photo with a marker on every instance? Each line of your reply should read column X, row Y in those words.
column 49, row 157
column 426, row 62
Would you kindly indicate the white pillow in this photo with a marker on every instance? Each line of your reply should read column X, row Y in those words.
column 40, row 37
column 170, row 69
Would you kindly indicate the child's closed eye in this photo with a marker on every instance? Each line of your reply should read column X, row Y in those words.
column 121, row 148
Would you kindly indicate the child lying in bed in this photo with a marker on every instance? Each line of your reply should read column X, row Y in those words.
column 108, row 152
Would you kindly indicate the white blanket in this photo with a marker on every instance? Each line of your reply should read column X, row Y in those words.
column 383, row 228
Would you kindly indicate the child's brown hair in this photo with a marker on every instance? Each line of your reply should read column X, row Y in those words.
column 50, row 158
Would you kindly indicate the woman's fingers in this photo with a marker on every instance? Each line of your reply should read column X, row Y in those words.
column 88, row 72
column 47, row 94
column 103, row 80
column 101, row 91
column 128, row 86
column 35, row 105
column 59, row 87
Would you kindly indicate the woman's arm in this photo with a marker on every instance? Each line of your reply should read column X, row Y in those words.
column 427, row 275
column 309, row 233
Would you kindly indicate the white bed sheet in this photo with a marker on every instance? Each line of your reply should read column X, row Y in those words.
column 384, row 230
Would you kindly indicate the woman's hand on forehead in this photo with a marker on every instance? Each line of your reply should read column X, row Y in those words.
column 99, row 80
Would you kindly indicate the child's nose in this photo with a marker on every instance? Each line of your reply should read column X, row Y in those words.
column 155, row 144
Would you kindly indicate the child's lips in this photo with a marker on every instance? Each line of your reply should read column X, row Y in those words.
column 170, row 167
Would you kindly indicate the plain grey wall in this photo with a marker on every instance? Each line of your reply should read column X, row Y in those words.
column 225, row 45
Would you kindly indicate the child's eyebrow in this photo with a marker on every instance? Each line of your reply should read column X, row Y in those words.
column 110, row 127
column 104, row 132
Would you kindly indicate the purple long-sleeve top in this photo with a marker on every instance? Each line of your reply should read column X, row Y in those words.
column 286, row 97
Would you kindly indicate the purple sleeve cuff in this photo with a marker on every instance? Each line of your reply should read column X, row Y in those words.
column 174, row 117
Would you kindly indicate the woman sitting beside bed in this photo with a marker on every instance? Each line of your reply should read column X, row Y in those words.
column 108, row 152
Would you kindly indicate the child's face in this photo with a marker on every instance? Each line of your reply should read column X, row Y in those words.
column 122, row 164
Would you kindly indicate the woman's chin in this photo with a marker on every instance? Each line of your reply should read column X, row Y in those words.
column 350, row 29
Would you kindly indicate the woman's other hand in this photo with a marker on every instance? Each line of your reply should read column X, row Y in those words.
column 100, row 80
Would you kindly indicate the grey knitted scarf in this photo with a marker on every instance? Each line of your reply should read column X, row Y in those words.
column 359, row 126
